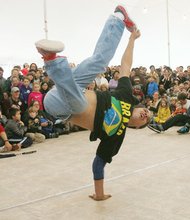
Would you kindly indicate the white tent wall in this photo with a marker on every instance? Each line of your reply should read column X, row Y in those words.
column 79, row 23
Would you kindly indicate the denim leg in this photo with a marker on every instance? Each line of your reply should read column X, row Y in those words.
column 104, row 51
column 67, row 97
column 98, row 168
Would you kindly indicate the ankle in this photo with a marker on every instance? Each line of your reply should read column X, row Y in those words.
column 161, row 127
column 119, row 15
column 49, row 56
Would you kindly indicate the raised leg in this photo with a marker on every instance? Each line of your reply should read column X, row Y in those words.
column 104, row 51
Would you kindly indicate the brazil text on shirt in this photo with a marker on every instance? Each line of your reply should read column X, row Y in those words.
column 116, row 118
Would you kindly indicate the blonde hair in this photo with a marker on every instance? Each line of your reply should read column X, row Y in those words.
column 31, row 109
column 173, row 98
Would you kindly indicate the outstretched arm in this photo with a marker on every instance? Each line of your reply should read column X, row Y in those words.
column 127, row 58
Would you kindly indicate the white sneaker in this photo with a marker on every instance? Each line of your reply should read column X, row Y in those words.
column 50, row 46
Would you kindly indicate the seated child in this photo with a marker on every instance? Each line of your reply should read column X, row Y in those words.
column 163, row 112
column 34, row 126
column 15, row 130
column 173, row 101
column 179, row 109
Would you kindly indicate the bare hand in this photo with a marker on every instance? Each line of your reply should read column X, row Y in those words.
column 21, row 123
column 8, row 145
column 44, row 124
column 135, row 34
column 36, row 120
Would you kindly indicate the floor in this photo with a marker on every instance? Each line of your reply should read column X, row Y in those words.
column 149, row 179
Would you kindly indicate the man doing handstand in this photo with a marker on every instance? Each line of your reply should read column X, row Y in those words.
column 105, row 114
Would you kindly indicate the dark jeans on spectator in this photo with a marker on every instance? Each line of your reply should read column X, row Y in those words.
column 177, row 120
column 188, row 120
column 2, row 143
column 25, row 141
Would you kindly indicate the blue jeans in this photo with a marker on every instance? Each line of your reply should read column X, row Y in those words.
column 98, row 168
column 67, row 97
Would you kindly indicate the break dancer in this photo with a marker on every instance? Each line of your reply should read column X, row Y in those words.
column 105, row 114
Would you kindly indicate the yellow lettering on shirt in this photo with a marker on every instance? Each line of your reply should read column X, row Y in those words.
column 126, row 113
column 125, row 105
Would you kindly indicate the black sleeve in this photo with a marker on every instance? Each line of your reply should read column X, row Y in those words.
column 125, row 83
column 124, row 91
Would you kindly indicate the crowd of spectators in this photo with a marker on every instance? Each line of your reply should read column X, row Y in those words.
column 23, row 119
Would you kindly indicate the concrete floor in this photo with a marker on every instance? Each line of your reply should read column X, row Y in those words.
column 149, row 180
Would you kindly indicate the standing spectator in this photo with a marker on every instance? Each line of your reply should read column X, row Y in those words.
column 31, row 78
column 165, row 79
column 48, row 80
column 188, row 94
column 180, row 74
column 188, row 72
column 114, row 81
column 173, row 101
column 161, row 89
column 100, row 79
column 33, row 72
column 103, row 87
column 136, row 81
column 7, row 85
column 154, row 73
column 152, row 86
column 137, row 92
column 181, row 87
column 15, row 82
column 2, row 79
column 187, row 85
column 2, row 82
column 108, row 73
column 25, row 90
column 13, row 101
column 44, row 88
column 33, row 66
column 25, row 69
column 36, row 95
column 37, row 76
column 176, row 90
column 92, row 86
